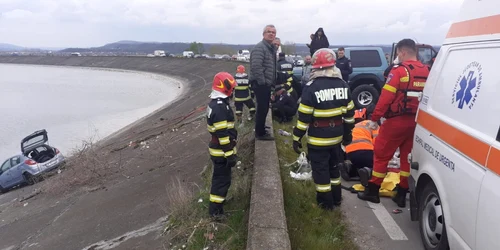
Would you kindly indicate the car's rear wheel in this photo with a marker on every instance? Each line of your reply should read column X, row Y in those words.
column 30, row 179
column 431, row 219
column 364, row 95
column 2, row 190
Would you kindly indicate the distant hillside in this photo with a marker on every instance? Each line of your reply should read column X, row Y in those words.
column 149, row 47
column 177, row 48
column 10, row 47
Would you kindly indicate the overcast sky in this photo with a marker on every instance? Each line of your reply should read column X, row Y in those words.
column 85, row 23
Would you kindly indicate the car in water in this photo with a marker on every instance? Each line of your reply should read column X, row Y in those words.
column 36, row 158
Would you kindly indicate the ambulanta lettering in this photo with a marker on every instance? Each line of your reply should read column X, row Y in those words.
column 441, row 158
column 331, row 94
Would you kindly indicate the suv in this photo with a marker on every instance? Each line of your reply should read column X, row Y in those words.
column 367, row 78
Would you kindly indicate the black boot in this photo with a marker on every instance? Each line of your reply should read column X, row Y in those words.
column 337, row 195
column 325, row 200
column 365, row 174
column 344, row 171
column 371, row 193
column 400, row 197
column 215, row 209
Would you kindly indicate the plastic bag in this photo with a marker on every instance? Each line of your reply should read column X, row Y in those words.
column 395, row 161
column 304, row 172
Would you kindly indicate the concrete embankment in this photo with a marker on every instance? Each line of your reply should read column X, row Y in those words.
column 136, row 186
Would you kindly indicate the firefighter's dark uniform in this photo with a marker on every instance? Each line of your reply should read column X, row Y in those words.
column 284, row 107
column 326, row 112
column 222, row 149
column 293, row 84
column 242, row 95
column 284, row 80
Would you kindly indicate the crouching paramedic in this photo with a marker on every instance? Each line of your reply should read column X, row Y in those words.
column 242, row 94
column 360, row 150
column 284, row 105
column 222, row 147
column 326, row 112
column 398, row 103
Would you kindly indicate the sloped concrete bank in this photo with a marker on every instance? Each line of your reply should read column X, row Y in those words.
column 136, row 192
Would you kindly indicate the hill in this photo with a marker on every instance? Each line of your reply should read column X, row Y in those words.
column 10, row 47
column 177, row 48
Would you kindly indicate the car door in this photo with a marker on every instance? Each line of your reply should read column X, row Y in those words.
column 16, row 171
column 5, row 179
column 488, row 218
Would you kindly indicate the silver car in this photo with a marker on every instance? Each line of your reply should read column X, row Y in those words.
column 36, row 158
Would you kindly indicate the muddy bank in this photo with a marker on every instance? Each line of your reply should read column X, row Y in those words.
column 127, row 184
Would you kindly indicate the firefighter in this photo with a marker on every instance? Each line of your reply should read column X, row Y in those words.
column 284, row 105
column 360, row 150
column 242, row 94
column 398, row 103
column 292, row 82
column 284, row 81
column 222, row 147
column 326, row 112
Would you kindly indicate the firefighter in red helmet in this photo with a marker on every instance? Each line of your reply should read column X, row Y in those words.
column 398, row 103
column 242, row 94
column 222, row 146
column 326, row 113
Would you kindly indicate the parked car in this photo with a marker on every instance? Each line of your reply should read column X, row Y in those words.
column 36, row 158
column 367, row 78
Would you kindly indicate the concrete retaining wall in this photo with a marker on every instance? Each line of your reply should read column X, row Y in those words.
column 267, row 228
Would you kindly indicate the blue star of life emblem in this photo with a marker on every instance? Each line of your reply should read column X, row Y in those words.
column 467, row 87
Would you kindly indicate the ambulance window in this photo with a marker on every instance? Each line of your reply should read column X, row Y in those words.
column 365, row 58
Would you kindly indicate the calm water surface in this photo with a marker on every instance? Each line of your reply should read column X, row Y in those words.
column 74, row 104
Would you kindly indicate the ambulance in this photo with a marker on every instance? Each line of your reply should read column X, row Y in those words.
column 455, row 160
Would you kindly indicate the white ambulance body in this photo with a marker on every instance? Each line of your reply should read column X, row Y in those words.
column 455, row 181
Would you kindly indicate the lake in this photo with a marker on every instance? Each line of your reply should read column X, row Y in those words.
column 75, row 104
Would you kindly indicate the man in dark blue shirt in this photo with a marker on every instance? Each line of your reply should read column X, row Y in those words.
column 344, row 64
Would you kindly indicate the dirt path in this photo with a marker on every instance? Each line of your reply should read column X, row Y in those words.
column 126, row 207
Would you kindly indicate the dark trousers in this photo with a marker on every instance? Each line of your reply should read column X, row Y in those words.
column 326, row 175
column 360, row 159
column 239, row 106
column 221, row 181
column 263, row 96
column 283, row 111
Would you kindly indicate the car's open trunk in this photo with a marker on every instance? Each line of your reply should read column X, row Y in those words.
column 42, row 154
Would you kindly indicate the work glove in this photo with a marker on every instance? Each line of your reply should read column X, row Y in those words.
column 231, row 161
column 372, row 125
column 296, row 146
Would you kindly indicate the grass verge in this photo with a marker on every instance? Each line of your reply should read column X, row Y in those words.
column 309, row 226
column 189, row 225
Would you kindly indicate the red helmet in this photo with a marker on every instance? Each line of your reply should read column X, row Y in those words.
column 224, row 83
column 240, row 69
column 323, row 58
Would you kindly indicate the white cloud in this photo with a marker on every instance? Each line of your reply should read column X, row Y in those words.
column 55, row 22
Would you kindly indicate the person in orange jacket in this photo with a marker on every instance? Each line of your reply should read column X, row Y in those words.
column 360, row 151
column 398, row 103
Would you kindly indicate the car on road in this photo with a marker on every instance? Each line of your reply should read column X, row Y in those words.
column 367, row 78
column 36, row 158
column 455, row 159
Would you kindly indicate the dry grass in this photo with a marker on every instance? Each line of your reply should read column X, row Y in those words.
column 86, row 167
column 309, row 226
column 189, row 224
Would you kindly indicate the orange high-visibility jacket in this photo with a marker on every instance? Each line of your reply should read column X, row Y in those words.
column 363, row 138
